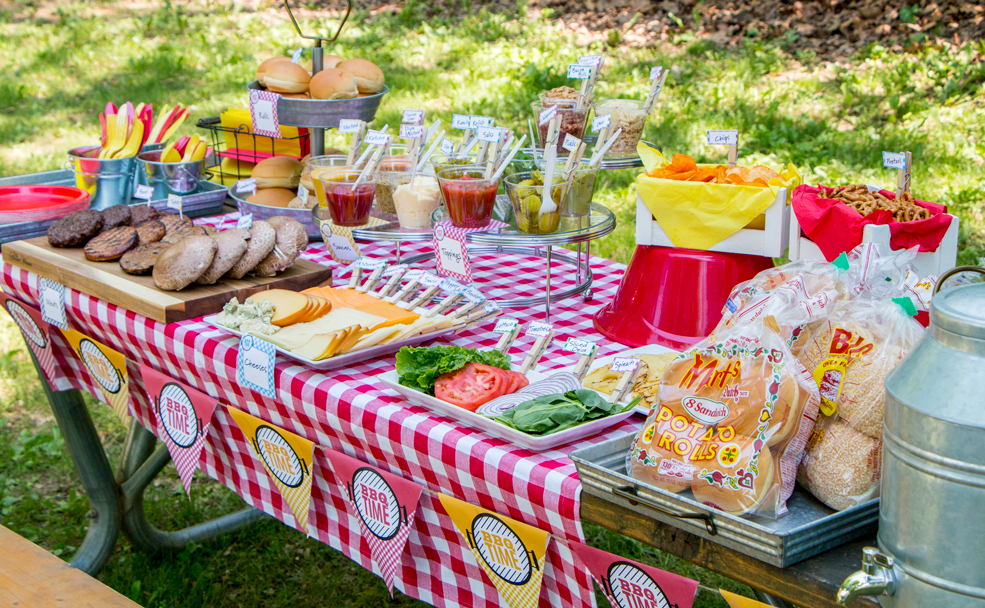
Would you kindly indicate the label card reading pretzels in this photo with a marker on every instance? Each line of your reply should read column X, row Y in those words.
column 245, row 221
column 143, row 192
column 601, row 122
column 621, row 365
column 723, row 138
column 255, row 362
column 539, row 330
column 412, row 117
column 376, row 138
column 347, row 126
column 52, row 297
column 580, row 347
column 411, row 131
column 570, row 142
column 460, row 121
column 579, row 72
column 546, row 116
column 894, row 160
column 505, row 325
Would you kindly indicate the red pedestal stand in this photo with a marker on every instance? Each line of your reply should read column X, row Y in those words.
column 674, row 297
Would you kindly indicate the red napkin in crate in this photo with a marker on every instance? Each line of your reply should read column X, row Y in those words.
column 836, row 227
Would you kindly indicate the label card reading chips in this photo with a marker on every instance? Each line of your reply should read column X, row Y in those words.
column 894, row 160
column 601, row 122
column 347, row 126
column 723, row 138
column 579, row 72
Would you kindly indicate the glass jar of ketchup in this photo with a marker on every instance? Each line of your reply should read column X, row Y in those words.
column 469, row 196
column 348, row 204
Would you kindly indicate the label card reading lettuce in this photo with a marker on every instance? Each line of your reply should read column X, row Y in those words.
column 894, row 160
column 491, row 134
column 480, row 121
column 723, row 138
column 411, row 131
column 621, row 365
column 143, row 192
column 601, row 122
column 413, row 117
column 376, row 138
column 255, row 362
column 546, row 116
column 580, row 347
column 570, row 142
column 539, row 330
column 348, row 126
column 579, row 72
column 473, row 295
column 246, row 185
column 656, row 72
column 52, row 297
column 459, row 121
column 590, row 60
column 245, row 221
column 505, row 325
column 447, row 146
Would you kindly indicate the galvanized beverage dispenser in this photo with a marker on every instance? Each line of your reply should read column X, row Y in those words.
column 932, row 516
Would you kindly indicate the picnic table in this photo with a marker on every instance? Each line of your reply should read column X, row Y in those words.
column 347, row 410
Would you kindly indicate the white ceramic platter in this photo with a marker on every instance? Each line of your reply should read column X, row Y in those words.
column 649, row 349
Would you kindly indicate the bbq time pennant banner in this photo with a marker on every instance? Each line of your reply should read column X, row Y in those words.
column 183, row 418
column 737, row 601
column 385, row 505
column 628, row 584
column 36, row 332
column 287, row 459
column 511, row 553
column 107, row 367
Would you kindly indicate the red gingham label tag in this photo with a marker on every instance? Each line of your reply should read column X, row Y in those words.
column 263, row 113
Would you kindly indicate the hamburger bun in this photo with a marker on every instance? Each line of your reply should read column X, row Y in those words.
column 333, row 83
column 844, row 467
column 296, row 95
column 733, row 459
column 272, row 197
column 277, row 172
column 286, row 77
column 265, row 66
column 331, row 61
column 658, row 466
column 184, row 262
column 369, row 77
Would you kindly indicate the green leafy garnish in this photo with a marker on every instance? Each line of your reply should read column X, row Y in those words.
column 553, row 413
column 419, row 367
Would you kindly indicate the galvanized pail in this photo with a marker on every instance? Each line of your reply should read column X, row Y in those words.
column 169, row 178
column 109, row 181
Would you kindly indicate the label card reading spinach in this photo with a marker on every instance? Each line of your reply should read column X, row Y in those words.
column 621, row 365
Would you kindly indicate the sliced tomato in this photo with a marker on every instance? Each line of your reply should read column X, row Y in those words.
column 517, row 381
column 471, row 386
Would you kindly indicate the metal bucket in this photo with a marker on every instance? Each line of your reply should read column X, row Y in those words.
column 169, row 178
column 109, row 181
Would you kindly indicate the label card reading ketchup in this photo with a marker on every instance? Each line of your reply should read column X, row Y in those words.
column 263, row 113
column 451, row 255
column 255, row 362
column 376, row 138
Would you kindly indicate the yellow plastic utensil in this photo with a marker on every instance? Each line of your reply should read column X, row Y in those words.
column 200, row 150
column 190, row 148
column 119, row 136
column 110, row 135
column 170, row 156
column 132, row 146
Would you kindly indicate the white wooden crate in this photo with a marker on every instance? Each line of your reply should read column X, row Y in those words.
column 770, row 242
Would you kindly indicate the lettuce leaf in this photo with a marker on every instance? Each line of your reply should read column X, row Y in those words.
column 419, row 367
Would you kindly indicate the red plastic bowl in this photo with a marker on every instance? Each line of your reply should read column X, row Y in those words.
column 33, row 203
column 674, row 297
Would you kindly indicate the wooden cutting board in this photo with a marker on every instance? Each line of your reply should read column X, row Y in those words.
column 107, row 281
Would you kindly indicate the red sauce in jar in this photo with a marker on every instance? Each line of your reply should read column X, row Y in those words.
column 349, row 206
column 470, row 205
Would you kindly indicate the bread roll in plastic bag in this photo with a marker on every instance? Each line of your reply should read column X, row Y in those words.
column 732, row 417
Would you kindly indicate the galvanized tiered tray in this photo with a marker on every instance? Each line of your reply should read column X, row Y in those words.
column 810, row 528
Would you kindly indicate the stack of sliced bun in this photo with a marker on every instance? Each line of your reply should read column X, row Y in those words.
column 339, row 79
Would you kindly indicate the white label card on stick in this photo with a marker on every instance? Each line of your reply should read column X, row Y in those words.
column 350, row 125
column 656, row 72
column 447, row 146
column 411, row 131
column 413, row 117
column 460, row 121
column 723, row 138
column 546, row 116
column 396, row 269
column 255, row 363
column 570, row 142
column 413, row 275
column 174, row 202
column 894, row 160
column 538, row 329
column 480, row 121
column 590, row 60
column 490, row 307
column 52, row 297
column 601, row 122
column 451, row 286
column 263, row 113
column 473, row 295
column 143, row 192
column 505, row 325
column 428, row 280
column 377, row 138
column 491, row 134
column 245, row 221
column 246, row 185
column 579, row 346
column 302, row 193
column 579, row 72
column 622, row 365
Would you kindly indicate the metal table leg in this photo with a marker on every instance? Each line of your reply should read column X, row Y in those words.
column 769, row 600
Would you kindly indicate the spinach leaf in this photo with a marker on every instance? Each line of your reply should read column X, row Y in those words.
column 419, row 367
column 553, row 413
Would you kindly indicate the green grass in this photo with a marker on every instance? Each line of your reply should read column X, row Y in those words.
column 59, row 67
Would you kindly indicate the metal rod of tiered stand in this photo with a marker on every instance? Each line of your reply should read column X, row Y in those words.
column 547, row 295
column 317, row 134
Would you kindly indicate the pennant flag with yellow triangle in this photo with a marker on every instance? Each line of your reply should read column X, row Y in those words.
column 737, row 601
column 36, row 332
column 107, row 367
column 287, row 459
column 510, row 552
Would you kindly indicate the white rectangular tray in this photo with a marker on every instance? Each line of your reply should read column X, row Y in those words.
column 649, row 349
column 348, row 358
column 497, row 429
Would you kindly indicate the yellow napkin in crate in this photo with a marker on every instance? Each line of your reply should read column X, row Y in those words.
column 698, row 215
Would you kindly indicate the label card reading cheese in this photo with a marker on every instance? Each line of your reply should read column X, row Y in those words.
column 601, row 122
column 246, row 185
column 52, row 297
column 411, row 131
column 579, row 346
column 480, row 121
column 505, row 325
column 473, row 295
column 621, row 365
column 255, row 362
column 348, row 126
column 546, row 116
column 376, row 138
column 894, row 160
column 579, row 72
column 539, row 330
column 447, row 146
column 570, row 142
column 263, row 113
column 723, row 138
column 490, row 134
column 412, row 117
column 656, row 72
column 245, row 221
column 459, row 121
column 143, row 192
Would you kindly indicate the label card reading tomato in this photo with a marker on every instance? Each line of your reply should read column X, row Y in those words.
column 570, row 142
column 546, row 116
column 52, row 297
column 480, row 121
column 505, row 325
column 255, row 362
column 451, row 255
column 348, row 126
column 245, row 221
column 411, row 131
column 539, row 330
column 601, row 122
column 622, row 365
column 894, row 160
column 412, row 117
column 580, row 347
column 263, row 113
column 459, row 121
column 376, row 138
column 723, row 138
column 143, row 192
column 579, row 72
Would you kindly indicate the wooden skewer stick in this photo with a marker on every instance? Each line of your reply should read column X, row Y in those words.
column 422, row 298
column 903, row 177
column 627, row 380
column 356, row 141
column 656, row 86
column 733, row 155
column 444, row 305
column 536, row 352
column 404, row 293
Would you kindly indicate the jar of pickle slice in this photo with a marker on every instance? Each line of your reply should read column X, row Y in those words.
column 526, row 191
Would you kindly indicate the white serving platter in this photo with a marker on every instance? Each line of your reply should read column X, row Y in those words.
column 351, row 357
column 649, row 349
column 497, row 429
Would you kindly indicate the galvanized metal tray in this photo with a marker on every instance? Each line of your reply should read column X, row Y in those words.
column 810, row 528
column 206, row 200
column 324, row 113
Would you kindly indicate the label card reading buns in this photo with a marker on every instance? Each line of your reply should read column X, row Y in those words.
column 601, row 122
column 52, row 298
column 263, row 113
column 460, row 121
column 245, row 221
column 579, row 72
column 143, row 192
column 347, row 126
column 412, row 117
column 255, row 362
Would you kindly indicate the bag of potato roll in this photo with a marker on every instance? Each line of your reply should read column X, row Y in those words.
column 730, row 422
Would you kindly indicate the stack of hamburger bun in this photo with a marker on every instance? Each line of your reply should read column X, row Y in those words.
column 730, row 423
column 277, row 180
column 339, row 79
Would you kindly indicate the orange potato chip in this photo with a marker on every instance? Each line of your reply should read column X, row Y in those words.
column 738, row 172
column 758, row 182
column 682, row 163
column 763, row 173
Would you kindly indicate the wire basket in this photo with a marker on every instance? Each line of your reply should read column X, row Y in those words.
column 250, row 152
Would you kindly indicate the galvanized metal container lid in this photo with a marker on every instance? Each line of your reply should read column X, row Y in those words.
column 959, row 313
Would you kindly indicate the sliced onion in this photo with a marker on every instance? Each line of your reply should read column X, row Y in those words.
column 560, row 382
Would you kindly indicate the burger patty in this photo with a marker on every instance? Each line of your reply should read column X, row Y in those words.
column 173, row 236
column 75, row 229
column 116, row 216
column 111, row 244
column 173, row 221
column 150, row 231
column 141, row 213
column 140, row 260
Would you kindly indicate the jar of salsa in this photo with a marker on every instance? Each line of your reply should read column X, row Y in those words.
column 348, row 204
column 469, row 196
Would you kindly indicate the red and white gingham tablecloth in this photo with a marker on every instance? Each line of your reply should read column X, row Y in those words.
column 348, row 410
